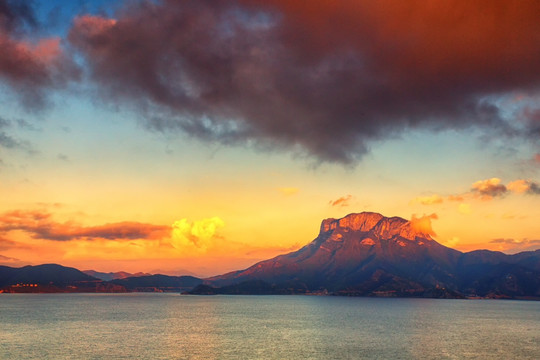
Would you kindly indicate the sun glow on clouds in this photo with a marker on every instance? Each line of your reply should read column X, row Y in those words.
column 197, row 235
column 423, row 224
column 36, row 232
column 490, row 188
column 483, row 190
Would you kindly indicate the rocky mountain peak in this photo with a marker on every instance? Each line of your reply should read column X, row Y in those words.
column 382, row 227
column 364, row 222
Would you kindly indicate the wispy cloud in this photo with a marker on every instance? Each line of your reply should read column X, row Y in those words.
column 10, row 261
column 514, row 241
column 6, row 140
column 511, row 245
column 39, row 225
column 429, row 200
column 343, row 201
column 484, row 190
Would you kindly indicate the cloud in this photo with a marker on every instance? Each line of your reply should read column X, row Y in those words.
column 343, row 201
column 452, row 242
column 199, row 234
column 510, row 245
column 23, row 231
column 524, row 186
column 14, row 14
column 10, row 261
column 537, row 158
column 514, row 241
column 9, row 142
column 62, row 157
column 484, row 190
column 41, row 226
column 6, row 141
column 288, row 191
column 30, row 67
column 489, row 188
column 429, row 200
column 423, row 224
column 325, row 79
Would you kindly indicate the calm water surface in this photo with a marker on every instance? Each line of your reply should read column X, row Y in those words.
column 171, row 326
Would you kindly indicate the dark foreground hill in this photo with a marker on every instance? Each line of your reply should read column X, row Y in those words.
column 368, row 254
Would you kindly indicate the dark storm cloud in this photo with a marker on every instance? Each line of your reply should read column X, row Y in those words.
column 30, row 68
column 16, row 13
column 324, row 78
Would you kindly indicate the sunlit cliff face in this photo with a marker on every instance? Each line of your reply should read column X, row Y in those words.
column 384, row 227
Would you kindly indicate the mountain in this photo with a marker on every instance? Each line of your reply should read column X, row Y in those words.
column 57, row 278
column 368, row 254
column 113, row 275
column 51, row 278
column 363, row 254
column 153, row 283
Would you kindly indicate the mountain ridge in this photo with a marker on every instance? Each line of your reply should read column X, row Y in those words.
column 361, row 254
column 370, row 254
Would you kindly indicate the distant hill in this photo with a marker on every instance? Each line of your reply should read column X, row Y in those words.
column 51, row 278
column 113, row 275
column 57, row 278
column 367, row 254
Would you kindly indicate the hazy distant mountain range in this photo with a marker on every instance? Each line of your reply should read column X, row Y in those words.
column 113, row 275
column 363, row 254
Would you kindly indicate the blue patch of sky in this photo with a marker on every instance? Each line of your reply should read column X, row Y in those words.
column 55, row 16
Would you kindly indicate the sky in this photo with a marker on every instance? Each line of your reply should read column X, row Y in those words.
column 199, row 137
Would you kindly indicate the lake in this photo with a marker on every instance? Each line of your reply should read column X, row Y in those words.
column 173, row 326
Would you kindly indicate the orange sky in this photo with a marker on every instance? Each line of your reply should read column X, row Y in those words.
column 201, row 137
